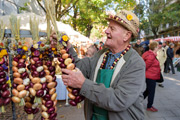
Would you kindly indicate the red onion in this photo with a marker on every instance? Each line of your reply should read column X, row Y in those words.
column 48, row 63
column 52, row 116
column 5, row 87
column 14, row 85
column 49, row 103
column 42, row 74
column 35, row 110
column 21, row 65
column 61, row 60
column 38, row 63
column 75, row 92
column 51, row 110
column 79, row 98
column 24, row 75
column 40, row 93
column 52, row 73
column 54, row 78
column 44, row 85
column 1, row 69
column 51, row 68
column 16, row 59
column 35, row 74
column 2, row 74
column 62, row 65
column 33, row 67
column 28, row 110
column 31, row 84
column 7, row 101
column 73, row 103
column 35, row 58
column 6, row 94
column 2, row 80
column 36, row 53
column 27, row 87
column 47, row 97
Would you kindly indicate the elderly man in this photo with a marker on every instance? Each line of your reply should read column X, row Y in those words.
column 112, row 81
column 161, row 56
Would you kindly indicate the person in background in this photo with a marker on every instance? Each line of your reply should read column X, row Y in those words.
column 147, row 45
column 138, row 47
column 96, row 46
column 165, row 47
column 152, row 74
column 161, row 56
column 101, row 45
column 176, row 60
column 169, row 60
column 112, row 81
column 91, row 50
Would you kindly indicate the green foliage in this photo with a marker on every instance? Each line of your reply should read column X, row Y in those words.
column 154, row 13
column 25, row 7
column 92, row 13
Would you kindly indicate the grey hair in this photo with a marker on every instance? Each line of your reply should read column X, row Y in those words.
column 171, row 44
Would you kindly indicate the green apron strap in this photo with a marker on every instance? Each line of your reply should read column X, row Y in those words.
column 104, row 76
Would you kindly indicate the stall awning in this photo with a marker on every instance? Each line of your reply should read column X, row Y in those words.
column 173, row 38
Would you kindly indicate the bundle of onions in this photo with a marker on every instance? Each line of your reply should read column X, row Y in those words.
column 37, row 78
column 20, row 76
column 37, row 75
column 49, row 100
column 4, row 86
column 67, row 61
column 75, row 96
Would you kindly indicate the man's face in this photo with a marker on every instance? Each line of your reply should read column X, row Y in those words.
column 115, row 35
column 159, row 46
column 164, row 44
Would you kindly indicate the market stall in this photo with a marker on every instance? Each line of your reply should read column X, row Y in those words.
column 173, row 39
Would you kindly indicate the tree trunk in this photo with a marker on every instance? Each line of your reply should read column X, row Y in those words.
column 89, row 28
column 74, row 17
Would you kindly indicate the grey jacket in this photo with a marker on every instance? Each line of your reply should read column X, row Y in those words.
column 124, row 99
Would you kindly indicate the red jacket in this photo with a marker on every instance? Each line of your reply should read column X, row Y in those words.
column 152, row 65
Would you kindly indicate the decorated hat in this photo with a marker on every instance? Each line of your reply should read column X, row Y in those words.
column 127, row 19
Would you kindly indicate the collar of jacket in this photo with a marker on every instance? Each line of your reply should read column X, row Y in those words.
column 118, row 67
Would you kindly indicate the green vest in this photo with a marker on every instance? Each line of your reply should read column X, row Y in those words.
column 104, row 76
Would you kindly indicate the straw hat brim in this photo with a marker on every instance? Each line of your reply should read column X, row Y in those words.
column 126, row 26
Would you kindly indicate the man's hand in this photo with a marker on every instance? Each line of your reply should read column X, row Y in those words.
column 73, row 79
column 53, row 40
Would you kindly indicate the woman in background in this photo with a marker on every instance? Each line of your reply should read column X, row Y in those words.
column 152, row 74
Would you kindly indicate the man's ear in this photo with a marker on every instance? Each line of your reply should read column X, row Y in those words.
column 128, row 36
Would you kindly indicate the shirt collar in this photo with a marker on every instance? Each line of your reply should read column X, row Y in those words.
column 115, row 55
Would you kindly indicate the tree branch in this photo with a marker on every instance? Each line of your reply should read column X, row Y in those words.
column 41, row 6
column 13, row 3
column 67, row 9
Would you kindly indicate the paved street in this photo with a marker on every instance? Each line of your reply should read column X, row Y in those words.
column 167, row 101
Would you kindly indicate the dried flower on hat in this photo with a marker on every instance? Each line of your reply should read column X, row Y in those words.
column 129, row 17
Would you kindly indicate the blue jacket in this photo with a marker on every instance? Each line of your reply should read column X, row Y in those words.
column 170, row 53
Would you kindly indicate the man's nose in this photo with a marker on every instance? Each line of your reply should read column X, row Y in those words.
column 107, row 31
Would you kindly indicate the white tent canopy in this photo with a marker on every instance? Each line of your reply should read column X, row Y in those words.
column 25, row 25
